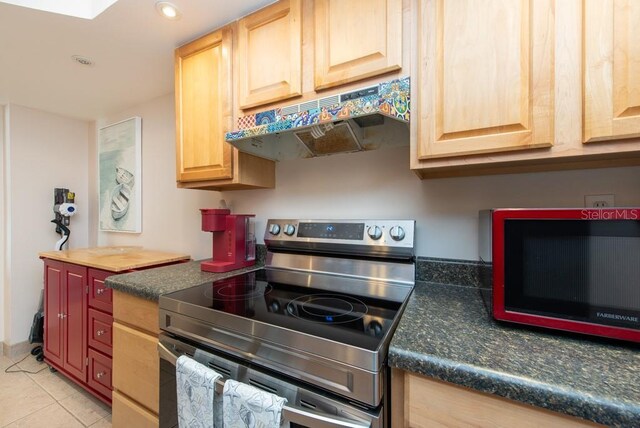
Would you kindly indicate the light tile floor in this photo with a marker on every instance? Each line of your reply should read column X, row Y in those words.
column 46, row 399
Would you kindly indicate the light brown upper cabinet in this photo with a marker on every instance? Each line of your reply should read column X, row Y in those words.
column 269, row 54
column 203, row 107
column 611, row 69
column 203, row 91
column 356, row 39
column 485, row 76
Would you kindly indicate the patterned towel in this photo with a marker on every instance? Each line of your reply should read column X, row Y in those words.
column 249, row 407
column 196, row 385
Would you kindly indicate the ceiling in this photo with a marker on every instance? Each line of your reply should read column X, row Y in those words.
column 130, row 44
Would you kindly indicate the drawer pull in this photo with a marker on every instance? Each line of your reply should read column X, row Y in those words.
column 100, row 332
column 100, row 375
column 100, row 291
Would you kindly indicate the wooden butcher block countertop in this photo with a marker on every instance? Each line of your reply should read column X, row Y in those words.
column 114, row 259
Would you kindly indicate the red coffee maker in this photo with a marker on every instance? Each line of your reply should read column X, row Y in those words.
column 234, row 242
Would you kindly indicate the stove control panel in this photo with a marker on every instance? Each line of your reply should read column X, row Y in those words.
column 317, row 234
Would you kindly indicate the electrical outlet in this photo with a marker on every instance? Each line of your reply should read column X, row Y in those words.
column 599, row 201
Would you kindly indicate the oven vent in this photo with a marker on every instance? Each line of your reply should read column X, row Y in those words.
column 307, row 404
column 262, row 386
column 219, row 369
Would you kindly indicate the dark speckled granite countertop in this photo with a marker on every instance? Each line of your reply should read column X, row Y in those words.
column 446, row 333
column 151, row 283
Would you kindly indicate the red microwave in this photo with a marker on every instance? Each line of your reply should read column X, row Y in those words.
column 576, row 270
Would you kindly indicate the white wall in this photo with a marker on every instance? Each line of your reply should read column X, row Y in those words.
column 379, row 184
column 3, row 310
column 170, row 216
column 45, row 151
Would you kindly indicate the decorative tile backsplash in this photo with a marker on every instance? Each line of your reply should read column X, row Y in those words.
column 393, row 100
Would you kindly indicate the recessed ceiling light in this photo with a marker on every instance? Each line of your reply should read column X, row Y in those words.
column 168, row 10
column 83, row 60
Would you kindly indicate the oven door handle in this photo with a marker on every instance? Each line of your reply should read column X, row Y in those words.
column 290, row 414
column 167, row 355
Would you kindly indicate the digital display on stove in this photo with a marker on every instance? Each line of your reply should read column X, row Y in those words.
column 331, row 230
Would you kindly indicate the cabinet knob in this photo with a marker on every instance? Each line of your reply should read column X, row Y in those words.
column 99, row 332
column 99, row 291
column 99, row 375
column 62, row 315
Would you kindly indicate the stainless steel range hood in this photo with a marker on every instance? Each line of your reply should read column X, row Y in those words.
column 366, row 119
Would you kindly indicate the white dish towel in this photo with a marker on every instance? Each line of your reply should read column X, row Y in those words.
column 248, row 407
column 196, row 386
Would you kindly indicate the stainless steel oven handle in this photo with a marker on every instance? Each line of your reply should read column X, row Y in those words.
column 291, row 414
column 166, row 354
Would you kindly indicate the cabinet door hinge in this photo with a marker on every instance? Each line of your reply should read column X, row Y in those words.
column 87, row 289
column 86, row 362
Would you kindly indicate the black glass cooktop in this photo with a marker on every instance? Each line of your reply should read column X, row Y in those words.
column 341, row 317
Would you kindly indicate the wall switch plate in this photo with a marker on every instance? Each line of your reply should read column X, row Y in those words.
column 599, row 201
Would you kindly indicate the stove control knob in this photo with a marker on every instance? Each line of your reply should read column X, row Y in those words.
column 274, row 229
column 289, row 229
column 374, row 232
column 397, row 233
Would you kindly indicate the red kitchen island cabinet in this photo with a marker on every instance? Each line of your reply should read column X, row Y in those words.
column 65, row 307
column 78, row 310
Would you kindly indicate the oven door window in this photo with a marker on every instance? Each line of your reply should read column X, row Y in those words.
column 574, row 269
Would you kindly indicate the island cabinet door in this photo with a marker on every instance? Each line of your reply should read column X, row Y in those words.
column 356, row 39
column 75, row 320
column 53, row 279
column 611, row 69
column 484, row 77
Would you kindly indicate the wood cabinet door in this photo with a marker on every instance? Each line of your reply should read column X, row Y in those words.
column 432, row 403
column 203, row 107
column 75, row 320
column 611, row 69
column 136, row 367
column 269, row 54
column 53, row 280
column 485, row 76
column 356, row 39
column 127, row 413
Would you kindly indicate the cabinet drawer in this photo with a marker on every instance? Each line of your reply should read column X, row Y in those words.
column 136, row 369
column 100, row 297
column 126, row 413
column 100, row 334
column 136, row 312
column 100, row 373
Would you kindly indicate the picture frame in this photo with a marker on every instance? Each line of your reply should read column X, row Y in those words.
column 120, row 176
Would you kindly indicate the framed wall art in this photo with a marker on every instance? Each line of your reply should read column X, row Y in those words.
column 120, row 176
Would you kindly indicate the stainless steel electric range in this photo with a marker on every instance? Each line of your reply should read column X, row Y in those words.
column 313, row 325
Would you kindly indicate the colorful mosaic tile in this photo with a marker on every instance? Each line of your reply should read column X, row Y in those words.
column 393, row 100
column 265, row 117
column 245, row 122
